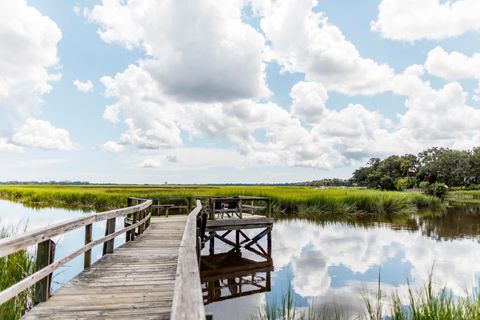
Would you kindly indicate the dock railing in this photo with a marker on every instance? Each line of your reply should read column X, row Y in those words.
column 238, row 205
column 139, row 213
column 187, row 297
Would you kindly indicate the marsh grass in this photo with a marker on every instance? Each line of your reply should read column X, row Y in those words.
column 354, row 202
column 288, row 310
column 464, row 197
column 424, row 304
column 14, row 268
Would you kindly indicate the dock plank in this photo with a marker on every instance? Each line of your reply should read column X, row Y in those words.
column 135, row 282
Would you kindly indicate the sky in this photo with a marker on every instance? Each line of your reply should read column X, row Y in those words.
column 240, row 91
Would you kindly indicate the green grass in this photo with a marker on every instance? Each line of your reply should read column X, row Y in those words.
column 464, row 196
column 14, row 268
column 425, row 304
column 288, row 310
column 300, row 200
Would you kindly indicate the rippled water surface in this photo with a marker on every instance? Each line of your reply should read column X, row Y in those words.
column 331, row 264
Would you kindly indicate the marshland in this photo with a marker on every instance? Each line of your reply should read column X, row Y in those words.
column 337, row 252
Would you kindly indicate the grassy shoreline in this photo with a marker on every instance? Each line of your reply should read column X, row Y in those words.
column 13, row 268
column 300, row 200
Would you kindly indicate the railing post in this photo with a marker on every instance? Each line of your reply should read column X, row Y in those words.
column 134, row 220
column 45, row 256
column 241, row 208
column 87, row 257
column 109, row 229
column 212, row 209
column 269, row 207
column 269, row 243
column 140, row 217
column 149, row 211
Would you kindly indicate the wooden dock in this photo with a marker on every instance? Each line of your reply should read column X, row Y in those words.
column 135, row 282
column 154, row 275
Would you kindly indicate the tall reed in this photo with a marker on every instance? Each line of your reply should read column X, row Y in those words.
column 427, row 303
column 14, row 268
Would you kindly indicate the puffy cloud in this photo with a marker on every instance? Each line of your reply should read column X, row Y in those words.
column 76, row 10
column 112, row 113
column 214, row 56
column 309, row 100
column 160, row 111
column 29, row 48
column 8, row 147
column 440, row 114
column 452, row 66
column 86, row 86
column 150, row 163
column 41, row 134
column 202, row 158
column 476, row 97
column 151, row 117
column 435, row 117
column 111, row 146
column 410, row 20
column 305, row 41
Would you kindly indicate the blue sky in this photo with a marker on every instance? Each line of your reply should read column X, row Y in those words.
column 248, row 91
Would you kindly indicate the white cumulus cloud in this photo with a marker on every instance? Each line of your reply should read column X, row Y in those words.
column 309, row 100
column 7, row 147
column 305, row 41
column 112, row 146
column 41, row 134
column 410, row 20
column 213, row 56
column 452, row 66
column 86, row 86
column 150, row 163
column 28, row 51
column 161, row 102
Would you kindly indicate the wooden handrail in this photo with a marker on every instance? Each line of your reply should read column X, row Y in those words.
column 18, row 242
column 187, row 297
column 43, row 235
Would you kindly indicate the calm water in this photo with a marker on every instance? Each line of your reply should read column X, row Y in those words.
column 323, row 264
column 331, row 264
column 15, row 216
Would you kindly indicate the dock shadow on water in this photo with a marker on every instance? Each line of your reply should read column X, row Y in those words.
column 328, row 267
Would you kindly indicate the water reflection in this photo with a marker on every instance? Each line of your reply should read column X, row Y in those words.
column 324, row 264
column 230, row 275
column 329, row 265
column 462, row 221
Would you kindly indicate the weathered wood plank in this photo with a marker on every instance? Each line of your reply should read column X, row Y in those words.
column 137, row 281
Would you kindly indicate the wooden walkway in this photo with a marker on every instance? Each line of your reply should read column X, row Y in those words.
column 135, row 282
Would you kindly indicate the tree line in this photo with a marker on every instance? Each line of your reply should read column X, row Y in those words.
column 431, row 168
